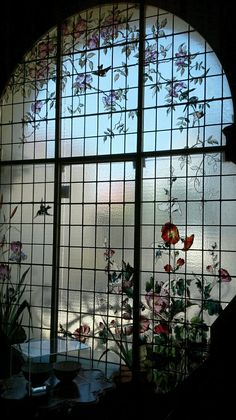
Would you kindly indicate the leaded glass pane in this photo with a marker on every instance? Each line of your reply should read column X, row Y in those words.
column 122, row 170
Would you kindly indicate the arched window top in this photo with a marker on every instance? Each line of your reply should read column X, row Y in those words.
column 185, row 93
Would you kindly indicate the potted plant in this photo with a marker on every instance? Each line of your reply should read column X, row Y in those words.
column 121, row 347
column 13, row 303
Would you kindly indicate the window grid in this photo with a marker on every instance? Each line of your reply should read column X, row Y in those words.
column 100, row 111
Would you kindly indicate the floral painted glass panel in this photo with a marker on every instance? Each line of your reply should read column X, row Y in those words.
column 187, row 199
column 26, row 237
column 28, row 104
column 100, row 90
column 186, row 104
column 98, row 211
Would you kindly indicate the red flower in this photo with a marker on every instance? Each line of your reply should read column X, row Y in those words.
column 224, row 275
column 161, row 329
column 168, row 268
column 210, row 268
column 188, row 242
column 180, row 262
column 170, row 233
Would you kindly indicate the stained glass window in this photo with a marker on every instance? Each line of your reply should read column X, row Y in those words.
column 115, row 189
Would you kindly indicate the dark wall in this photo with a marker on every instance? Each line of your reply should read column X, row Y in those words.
column 23, row 22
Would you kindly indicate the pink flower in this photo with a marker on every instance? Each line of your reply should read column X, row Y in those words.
column 109, row 253
column 81, row 334
column 158, row 302
column 93, row 42
column 144, row 323
column 80, row 28
column 45, row 48
column 224, row 275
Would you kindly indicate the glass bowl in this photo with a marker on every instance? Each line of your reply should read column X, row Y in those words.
column 66, row 370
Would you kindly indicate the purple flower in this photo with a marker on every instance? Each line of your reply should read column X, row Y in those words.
column 182, row 58
column 110, row 99
column 175, row 88
column 158, row 302
column 36, row 107
column 93, row 42
column 82, row 82
column 4, row 272
column 150, row 55
column 109, row 28
column 17, row 255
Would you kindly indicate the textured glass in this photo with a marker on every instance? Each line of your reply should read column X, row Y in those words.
column 149, row 182
column 26, row 235
column 100, row 77
column 28, row 104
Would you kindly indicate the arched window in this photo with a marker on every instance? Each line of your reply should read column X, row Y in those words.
column 115, row 189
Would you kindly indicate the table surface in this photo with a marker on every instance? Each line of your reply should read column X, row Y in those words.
column 86, row 388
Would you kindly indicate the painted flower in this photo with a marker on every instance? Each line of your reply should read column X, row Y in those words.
column 188, row 241
column 108, row 254
column 144, row 324
column 168, row 268
column 180, row 262
column 182, row 57
column 210, row 268
column 4, row 272
column 36, row 107
column 81, row 334
column 109, row 100
column 224, row 275
column 82, row 82
column 93, row 41
column 110, row 27
column 174, row 89
column 80, row 28
column 158, row 302
column 39, row 71
column 150, row 55
column 170, row 234
column 17, row 255
column 161, row 329
column 45, row 48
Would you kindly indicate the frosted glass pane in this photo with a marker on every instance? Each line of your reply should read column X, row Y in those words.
column 89, row 212
column 228, row 211
column 148, row 213
column 76, row 214
column 76, row 236
column 117, row 214
column 229, row 187
column 102, row 214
